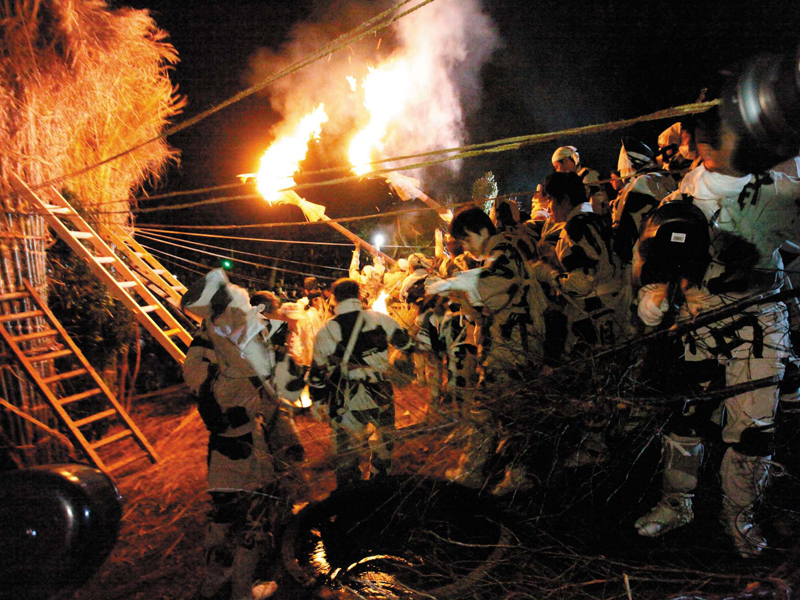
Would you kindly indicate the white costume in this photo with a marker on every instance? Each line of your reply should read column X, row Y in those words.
column 750, row 217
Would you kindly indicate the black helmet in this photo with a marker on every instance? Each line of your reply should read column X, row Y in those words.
column 674, row 244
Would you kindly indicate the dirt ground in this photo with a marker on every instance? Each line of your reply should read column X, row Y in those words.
column 573, row 534
column 159, row 551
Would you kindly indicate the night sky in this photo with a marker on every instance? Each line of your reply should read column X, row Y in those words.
column 559, row 64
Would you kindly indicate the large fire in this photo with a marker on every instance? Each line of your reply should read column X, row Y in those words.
column 385, row 95
column 282, row 159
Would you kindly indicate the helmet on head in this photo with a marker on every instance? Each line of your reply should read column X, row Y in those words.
column 566, row 152
column 674, row 244
column 633, row 156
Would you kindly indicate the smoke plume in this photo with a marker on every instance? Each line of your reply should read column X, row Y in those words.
column 446, row 43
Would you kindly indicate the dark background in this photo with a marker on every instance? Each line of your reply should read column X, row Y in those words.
column 561, row 64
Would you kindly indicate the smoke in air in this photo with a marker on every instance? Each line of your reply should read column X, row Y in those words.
column 428, row 64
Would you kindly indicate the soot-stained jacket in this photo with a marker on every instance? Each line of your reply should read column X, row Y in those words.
column 363, row 379
column 636, row 201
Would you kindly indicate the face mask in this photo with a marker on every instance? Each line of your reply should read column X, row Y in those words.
column 705, row 185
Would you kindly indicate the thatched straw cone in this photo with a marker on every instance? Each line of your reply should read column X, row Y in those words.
column 79, row 83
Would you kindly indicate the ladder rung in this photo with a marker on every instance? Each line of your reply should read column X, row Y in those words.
column 171, row 332
column 103, row 260
column 81, row 396
column 22, row 315
column 112, row 438
column 58, row 210
column 49, row 355
column 14, row 296
column 34, row 336
column 82, row 235
column 148, row 309
column 65, row 375
column 97, row 417
column 127, row 284
column 127, row 461
column 177, row 288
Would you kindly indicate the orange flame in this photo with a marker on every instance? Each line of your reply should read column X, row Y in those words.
column 282, row 159
column 380, row 304
column 385, row 96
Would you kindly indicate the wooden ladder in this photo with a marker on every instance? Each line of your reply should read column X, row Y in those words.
column 73, row 388
column 124, row 285
column 147, row 265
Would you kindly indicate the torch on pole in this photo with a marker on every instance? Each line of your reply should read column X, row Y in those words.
column 316, row 212
column 407, row 189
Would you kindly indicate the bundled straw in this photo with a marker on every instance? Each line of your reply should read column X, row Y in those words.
column 80, row 83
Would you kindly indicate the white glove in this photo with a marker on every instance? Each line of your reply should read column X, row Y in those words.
column 653, row 303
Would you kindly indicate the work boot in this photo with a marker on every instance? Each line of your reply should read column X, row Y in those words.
column 745, row 533
column 744, row 479
column 674, row 510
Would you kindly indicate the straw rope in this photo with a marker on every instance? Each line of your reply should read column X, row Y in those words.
column 361, row 31
column 469, row 151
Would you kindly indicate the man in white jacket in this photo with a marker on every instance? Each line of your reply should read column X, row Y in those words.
column 348, row 381
column 751, row 216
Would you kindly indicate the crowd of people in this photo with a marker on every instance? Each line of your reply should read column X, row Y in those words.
column 674, row 235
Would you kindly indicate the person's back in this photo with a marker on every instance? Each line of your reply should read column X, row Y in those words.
column 348, row 380
column 646, row 186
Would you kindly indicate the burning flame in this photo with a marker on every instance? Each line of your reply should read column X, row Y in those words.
column 380, row 304
column 385, row 96
column 282, row 159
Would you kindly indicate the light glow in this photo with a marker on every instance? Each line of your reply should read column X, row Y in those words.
column 282, row 159
column 385, row 96
column 380, row 304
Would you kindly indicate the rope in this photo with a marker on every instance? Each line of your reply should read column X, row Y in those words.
column 502, row 145
column 354, row 35
column 452, row 205
column 170, row 241
column 471, row 151
column 244, row 262
column 249, row 239
column 301, row 223
column 231, row 275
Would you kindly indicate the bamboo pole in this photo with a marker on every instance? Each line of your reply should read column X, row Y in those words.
column 316, row 212
column 358, row 241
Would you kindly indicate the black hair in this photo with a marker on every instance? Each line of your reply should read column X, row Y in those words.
column 471, row 220
column 344, row 289
column 563, row 185
column 267, row 298
column 708, row 125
